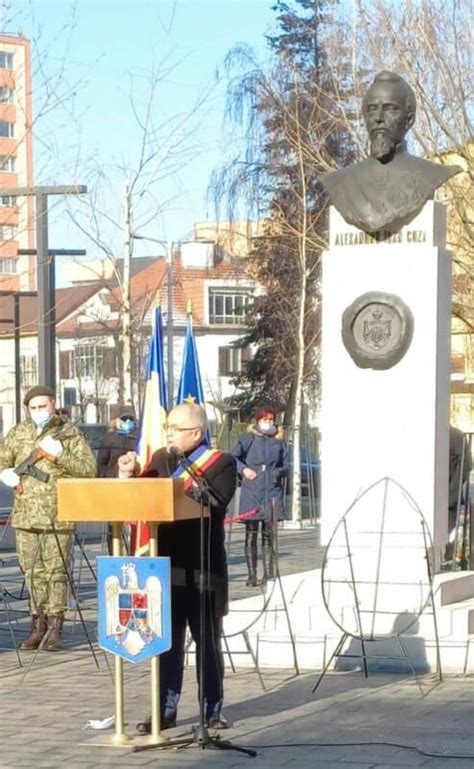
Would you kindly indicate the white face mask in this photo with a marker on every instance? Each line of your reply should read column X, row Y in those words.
column 40, row 418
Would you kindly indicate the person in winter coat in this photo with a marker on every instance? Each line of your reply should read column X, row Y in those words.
column 114, row 444
column 117, row 442
column 262, row 463
column 43, row 543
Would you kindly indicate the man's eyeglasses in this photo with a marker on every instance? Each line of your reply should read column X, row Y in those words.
column 175, row 429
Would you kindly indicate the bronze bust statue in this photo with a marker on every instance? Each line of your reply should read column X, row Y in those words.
column 388, row 189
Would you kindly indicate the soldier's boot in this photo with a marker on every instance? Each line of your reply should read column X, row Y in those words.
column 268, row 564
column 38, row 630
column 54, row 642
column 251, row 559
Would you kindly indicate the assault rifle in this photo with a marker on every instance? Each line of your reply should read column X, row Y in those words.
column 28, row 466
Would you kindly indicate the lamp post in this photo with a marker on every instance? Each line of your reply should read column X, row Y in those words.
column 45, row 271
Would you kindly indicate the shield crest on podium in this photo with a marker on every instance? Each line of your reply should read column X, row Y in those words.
column 134, row 607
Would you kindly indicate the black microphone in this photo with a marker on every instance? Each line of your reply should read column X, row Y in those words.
column 173, row 451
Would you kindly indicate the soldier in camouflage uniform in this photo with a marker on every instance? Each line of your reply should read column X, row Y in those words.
column 43, row 543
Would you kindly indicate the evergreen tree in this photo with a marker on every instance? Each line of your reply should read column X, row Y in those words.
column 294, row 133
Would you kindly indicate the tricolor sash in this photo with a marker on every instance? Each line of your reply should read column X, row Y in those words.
column 200, row 460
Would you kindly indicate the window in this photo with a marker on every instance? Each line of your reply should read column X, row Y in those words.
column 7, row 130
column 6, row 60
column 228, row 306
column 87, row 361
column 7, row 95
column 8, row 266
column 6, row 200
column 233, row 360
column 8, row 232
column 7, row 163
column 70, row 396
column 29, row 370
column 140, row 351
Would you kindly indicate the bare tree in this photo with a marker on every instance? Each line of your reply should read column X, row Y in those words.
column 161, row 147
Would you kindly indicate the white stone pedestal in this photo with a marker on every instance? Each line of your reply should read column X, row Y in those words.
column 392, row 422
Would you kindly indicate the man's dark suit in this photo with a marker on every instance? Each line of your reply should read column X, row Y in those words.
column 181, row 542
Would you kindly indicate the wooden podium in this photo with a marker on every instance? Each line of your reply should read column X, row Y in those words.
column 118, row 501
column 121, row 500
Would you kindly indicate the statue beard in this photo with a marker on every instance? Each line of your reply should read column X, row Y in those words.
column 381, row 146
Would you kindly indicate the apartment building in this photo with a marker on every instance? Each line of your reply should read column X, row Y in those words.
column 17, row 271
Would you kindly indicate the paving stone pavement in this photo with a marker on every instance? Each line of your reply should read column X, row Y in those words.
column 351, row 723
column 344, row 726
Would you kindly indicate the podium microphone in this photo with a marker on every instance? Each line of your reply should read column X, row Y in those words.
column 173, row 451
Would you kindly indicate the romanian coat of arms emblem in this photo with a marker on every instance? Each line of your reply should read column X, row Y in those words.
column 134, row 606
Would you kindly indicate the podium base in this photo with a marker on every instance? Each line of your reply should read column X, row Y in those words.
column 111, row 741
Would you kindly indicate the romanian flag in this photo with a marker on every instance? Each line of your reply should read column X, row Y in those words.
column 153, row 422
column 190, row 385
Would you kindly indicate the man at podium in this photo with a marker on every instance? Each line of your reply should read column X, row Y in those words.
column 180, row 541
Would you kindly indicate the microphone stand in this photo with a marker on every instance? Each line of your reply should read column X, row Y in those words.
column 200, row 732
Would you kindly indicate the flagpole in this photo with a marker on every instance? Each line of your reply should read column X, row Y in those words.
column 155, row 738
column 170, row 323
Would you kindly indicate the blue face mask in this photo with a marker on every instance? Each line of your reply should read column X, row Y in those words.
column 127, row 426
column 40, row 418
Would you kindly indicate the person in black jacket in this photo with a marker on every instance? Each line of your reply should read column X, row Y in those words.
column 180, row 541
column 460, row 464
column 114, row 444
column 117, row 442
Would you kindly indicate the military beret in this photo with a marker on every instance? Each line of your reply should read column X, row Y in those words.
column 33, row 392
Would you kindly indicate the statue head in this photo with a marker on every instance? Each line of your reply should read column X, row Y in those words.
column 389, row 108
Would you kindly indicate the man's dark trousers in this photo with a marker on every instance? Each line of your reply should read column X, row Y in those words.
column 185, row 608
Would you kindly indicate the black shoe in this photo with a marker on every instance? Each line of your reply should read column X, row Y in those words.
column 167, row 722
column 251, row 582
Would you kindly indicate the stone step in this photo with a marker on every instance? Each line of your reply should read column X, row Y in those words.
column 457, row 588
column 315, row 634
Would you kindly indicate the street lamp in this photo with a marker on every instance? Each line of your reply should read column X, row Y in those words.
column 45, row 272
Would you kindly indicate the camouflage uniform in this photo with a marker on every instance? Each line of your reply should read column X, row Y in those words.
column 39, row 536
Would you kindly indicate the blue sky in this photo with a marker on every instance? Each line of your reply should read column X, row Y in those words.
column 107, row 48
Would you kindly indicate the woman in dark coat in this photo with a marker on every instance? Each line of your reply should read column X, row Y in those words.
column 262, row 463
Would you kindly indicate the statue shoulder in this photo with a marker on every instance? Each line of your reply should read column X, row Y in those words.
column 335, row 180
column 435, row 173
column 344, row 181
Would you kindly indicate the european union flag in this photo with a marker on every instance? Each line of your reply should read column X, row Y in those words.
column 190, row 385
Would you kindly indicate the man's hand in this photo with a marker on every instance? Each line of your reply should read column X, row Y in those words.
column 126, row 464
column 248, row 473
column 9, row 477
column 51, row 446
